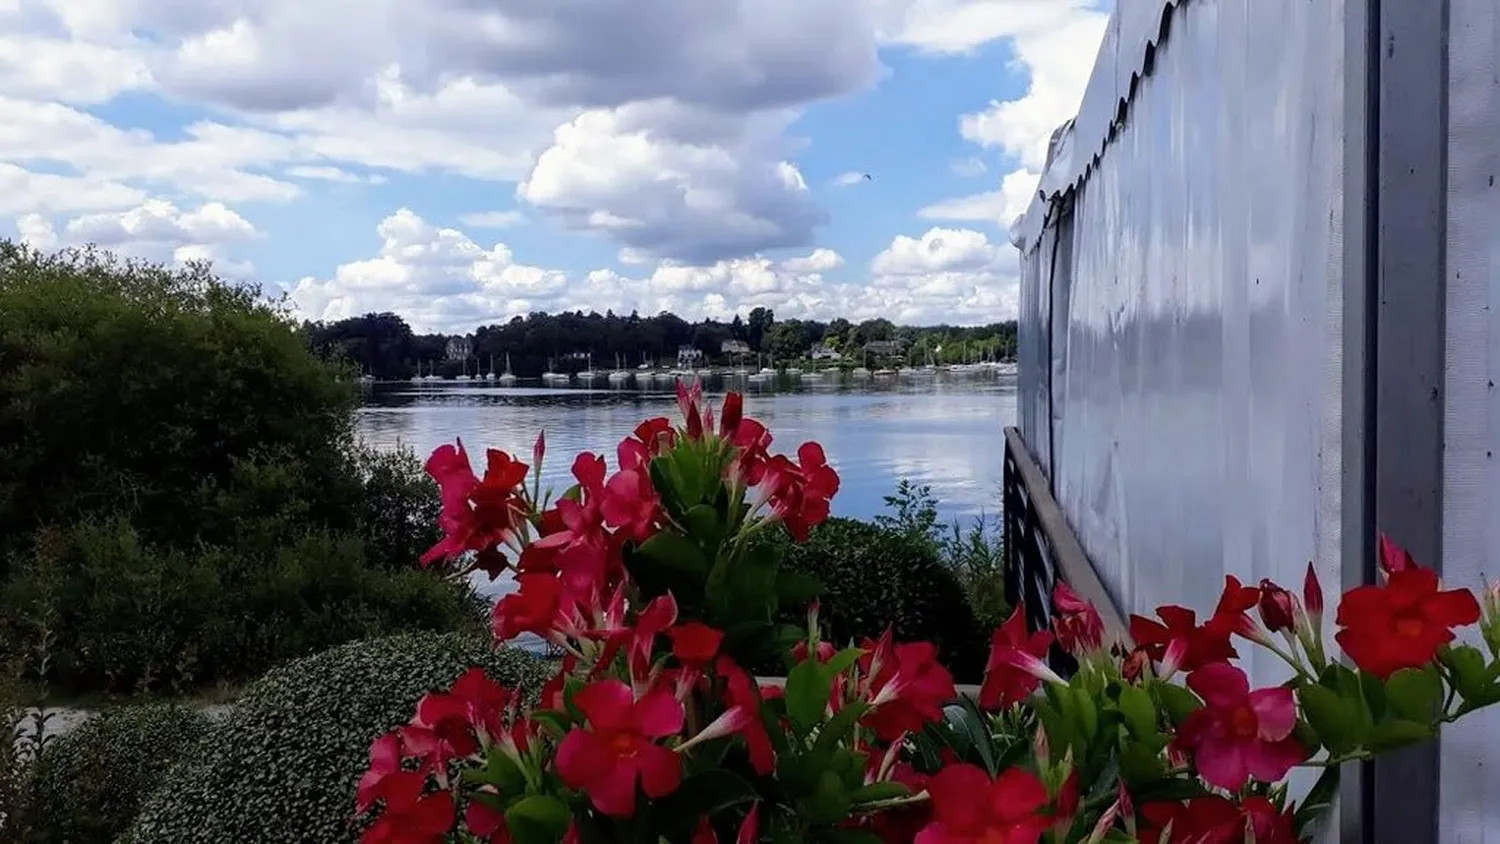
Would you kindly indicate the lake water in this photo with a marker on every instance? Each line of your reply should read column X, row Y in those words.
column 944, row 431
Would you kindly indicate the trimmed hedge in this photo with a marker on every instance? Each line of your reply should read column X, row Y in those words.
column 873, row 577
column 282, row 766
column 92, row 780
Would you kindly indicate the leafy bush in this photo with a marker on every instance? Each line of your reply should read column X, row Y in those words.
column 974, row 552
column 94, row 778
column 132, row 617
column 283, row 764
column 207, row 511
column 873, row 576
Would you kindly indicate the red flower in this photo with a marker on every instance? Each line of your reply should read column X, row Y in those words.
column 969, row 808
column 695, row 644
column 477, row 515
column 742, row 692
column 1005, row 682
column 631, row 504
column 689, row 401
column 486, row 822
column 1079, row 628
column 749, row 829
column 908, row 687
column 1278, row 609
column 538, row 606
column 618, row 750
column 800, row 491
column 1201, row 645
column 753, row 443
column 1216, row 820
column 1403, row 623
column 1239, row 734
column 412, row 814
column 475, row 704
column 901, row 825
column 650, row 438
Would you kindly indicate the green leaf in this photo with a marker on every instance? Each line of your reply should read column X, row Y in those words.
column 1318, row 801
column 830, row 801
column 1178, row 702
column 875, row 792
column 675, row 551
column 1393, row 734
column 1331, row 717
column 840, row 662
column 1414, row 694
column 704, row 524
column 971, row 722
column 703, row 794
column 808, row 687
column 1086, row 713
column 1471, row 673
column 1140, row 763
column 1138, row 710
column 838, row 728
column 538, row 819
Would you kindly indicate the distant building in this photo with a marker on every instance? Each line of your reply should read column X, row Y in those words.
column 688, row 356
column 460, row 348
column 822, row 352
column 885, row 347
column 734, row 347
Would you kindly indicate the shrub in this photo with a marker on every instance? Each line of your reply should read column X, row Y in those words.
column 135, row 617
column 873, row 577
column 399, row 507
column 283, row 764
column 974, row 552
column 93, row 779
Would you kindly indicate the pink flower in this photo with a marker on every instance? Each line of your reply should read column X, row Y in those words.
column 539, row 606
column 1239, row 734
column 649, row 439
column 412, row 815
column 908, row 687
column 476, row 515
column 800, row 492
column 970, row 808
column 471, row 712
column 1079, row 628
column 631, row 504
column 1006, row 682
column 743, row 693
column 619, row 750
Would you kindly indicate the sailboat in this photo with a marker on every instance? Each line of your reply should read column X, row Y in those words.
column 620, row 375
column 507, row 378
column 554, row 378
column 588, row 375
column 490, row 376
column 464, row 376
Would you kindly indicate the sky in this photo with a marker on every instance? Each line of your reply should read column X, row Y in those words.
column 460, row 162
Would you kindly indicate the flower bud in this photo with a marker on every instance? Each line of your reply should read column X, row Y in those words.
column 1312, row 596
column 1278, row 609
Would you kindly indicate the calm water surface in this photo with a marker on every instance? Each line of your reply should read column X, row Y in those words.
column 945, row 433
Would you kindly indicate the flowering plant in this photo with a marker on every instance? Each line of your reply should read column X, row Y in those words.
column 655, row 730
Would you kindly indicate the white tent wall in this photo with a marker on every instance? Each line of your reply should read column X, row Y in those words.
column 1470, row 774
column 1197, row 421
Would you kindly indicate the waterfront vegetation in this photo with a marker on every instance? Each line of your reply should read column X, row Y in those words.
column 186, row 518
column 384, row 347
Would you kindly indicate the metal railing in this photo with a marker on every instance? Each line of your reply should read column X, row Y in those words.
column 1041, row 548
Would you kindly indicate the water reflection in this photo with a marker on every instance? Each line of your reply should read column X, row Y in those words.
column 940, row 432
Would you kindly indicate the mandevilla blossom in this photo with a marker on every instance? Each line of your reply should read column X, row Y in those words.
column 1079, row 628
column 695, row 644
column 800, row 492
column 1202, row 644
column 1402, row 623
column 477, row 515
column 1240, row 734
column 1214, row 819
column 1005, row 682
column 908, row 687
column 970, row 808
column 619, row 749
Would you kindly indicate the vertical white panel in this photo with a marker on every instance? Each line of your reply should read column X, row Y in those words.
column 1200, row 416
column 1471, row 484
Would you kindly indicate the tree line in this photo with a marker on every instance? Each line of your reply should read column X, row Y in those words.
column 383, row 345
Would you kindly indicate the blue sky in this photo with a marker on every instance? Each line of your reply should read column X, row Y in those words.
column 694, row 163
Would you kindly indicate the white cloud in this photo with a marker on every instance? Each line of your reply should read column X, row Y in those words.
column 660, row 181
column 441, row 279
column 998, row 207
column 851, row 178
column 334, row 174
column 493, row 219
column 156, row 230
